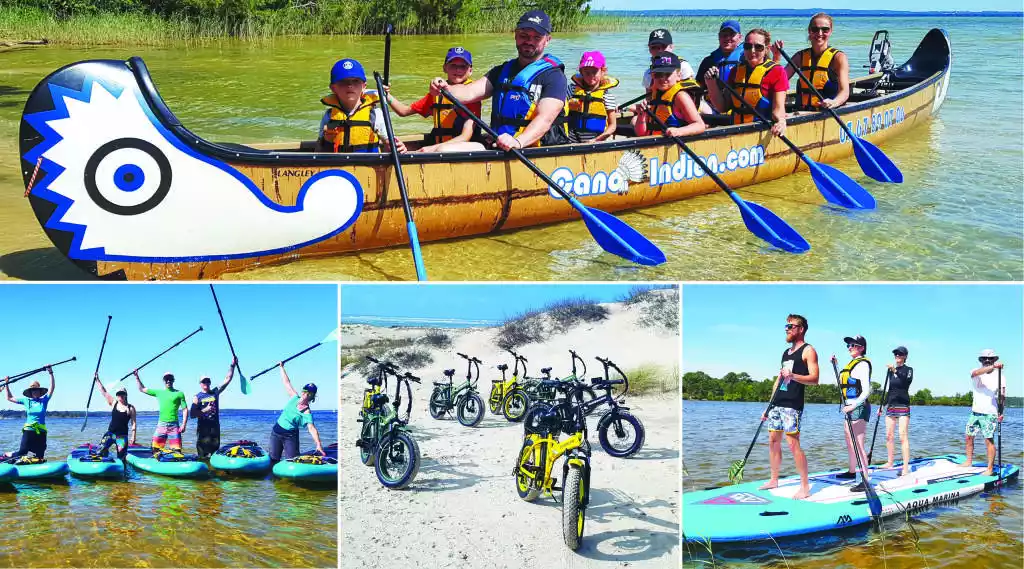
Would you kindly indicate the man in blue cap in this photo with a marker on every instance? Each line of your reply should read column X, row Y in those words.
column 725, row 57
column 527, row 93
column 450, row 124
column 352, row 122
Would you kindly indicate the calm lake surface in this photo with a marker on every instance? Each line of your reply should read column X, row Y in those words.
column 156, row 521
column 985, row 530
column 958, row 215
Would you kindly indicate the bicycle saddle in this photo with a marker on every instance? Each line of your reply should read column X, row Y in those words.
column 449, row 372
column 545, row 370
column 502, row 367
column 379, row 399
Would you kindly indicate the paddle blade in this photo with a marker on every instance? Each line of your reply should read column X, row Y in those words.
column 762, row 222
column 614, row 236
column 244, row 382
column 875, row 163
column 838, row 188
column 736, row 471
column 873, row 502
column 333, row 336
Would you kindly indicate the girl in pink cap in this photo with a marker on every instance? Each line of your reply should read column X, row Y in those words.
column 592, row 113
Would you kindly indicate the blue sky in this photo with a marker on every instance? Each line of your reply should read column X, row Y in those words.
column 48, row 323
column 740, row 328
column 908, row 5
column 443, row 302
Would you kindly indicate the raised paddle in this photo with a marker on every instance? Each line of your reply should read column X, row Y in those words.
column 241, row 376
column 612, row 234
column 759, row 220
column 30, row 373
column 736, row 468
column 835, row 186
column 872, row 160
column 885, row 387
column 154, row 358
column 873, row 502
column 96, row 374
column 332, row 337
column 410, row 224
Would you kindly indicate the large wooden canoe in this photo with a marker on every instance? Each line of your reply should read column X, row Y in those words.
column 125, row 191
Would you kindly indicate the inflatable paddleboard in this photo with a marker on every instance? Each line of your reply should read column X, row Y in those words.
column 7, row 472
column 241, row 457
column 84, row 462
column 37, row 470
column 744, row 513
column 182, row 466
column 310, row 467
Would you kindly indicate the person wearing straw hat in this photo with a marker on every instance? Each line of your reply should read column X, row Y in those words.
column 206, row 410
column 167, row 433
column 985, row 407
column 33, row 433
column 297, row 413
column 121, row 430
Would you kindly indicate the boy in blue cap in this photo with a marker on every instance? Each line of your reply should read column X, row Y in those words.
column 450, row 125
column 353, row 122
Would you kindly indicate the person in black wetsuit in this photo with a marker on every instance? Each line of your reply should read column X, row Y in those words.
column 898, row 409
column 206, row 410
column 121, row 430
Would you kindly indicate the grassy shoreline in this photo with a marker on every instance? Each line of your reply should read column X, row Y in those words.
column 27, row 23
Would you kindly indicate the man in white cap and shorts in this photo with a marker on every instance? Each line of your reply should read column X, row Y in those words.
column 985, row 408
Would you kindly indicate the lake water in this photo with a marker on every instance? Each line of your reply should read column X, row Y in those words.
column 958, row 215
column 155, row 521
column 984, row 530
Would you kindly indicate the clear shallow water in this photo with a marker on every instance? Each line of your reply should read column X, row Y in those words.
column 958, row 215
column 155, row 521
column 985, row 530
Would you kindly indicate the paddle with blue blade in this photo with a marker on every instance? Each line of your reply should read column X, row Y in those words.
column 835, row 186
column 758, row 219
column 241, row 376
column 332, row 337
column 613, row 235
column 96, row 373
column 873, row 502
column 872, row 160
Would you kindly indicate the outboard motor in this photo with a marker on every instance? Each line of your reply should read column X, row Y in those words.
column 880, row 53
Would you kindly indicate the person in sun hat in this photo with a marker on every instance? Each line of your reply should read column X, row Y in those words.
column 855, row 382
column 897, row 408
column 206, row 410
column 35, row 400
column 168, row 433
column 985, row 406
column 592, row 113
column 297, row 413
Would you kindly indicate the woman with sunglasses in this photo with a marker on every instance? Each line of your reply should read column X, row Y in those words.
column 985, row 407
column 855, row 381
column 897, row 409
column 297, row 413
column 759, row 81
column 826, row 67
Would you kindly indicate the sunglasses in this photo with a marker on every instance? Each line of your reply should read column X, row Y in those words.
column 758, row 47
column 820, row 29
column 791, row 326
column 848, row 346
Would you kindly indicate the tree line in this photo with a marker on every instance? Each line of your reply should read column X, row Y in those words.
column 741, row 387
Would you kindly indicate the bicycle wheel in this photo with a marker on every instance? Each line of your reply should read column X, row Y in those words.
column 515, row 405
column 471, row 410
column 574, row 506
column 398, row 461
column 368, row 443
column 438, row 404
column 621, row 434
column 495, row 399
column 531, row 424
column 527, row 488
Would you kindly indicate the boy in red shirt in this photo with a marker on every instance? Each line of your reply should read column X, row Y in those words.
column 449, row 123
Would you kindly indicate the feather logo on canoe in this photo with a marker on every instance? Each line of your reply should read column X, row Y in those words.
column 127, row 188
column 632, row 166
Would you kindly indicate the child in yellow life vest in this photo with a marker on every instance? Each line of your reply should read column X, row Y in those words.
column 592, row 112
column 352, row 122
column 449, row 123
column 668, row 100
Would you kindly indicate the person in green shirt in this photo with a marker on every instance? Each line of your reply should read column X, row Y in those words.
column 284, row 437
column 35, row 400
column 167, row 433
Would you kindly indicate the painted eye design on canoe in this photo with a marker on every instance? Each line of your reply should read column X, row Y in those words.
column 129, row 189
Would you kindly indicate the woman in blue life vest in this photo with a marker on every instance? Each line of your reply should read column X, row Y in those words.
column 826, row 67
column 855, row 381
column 757, row 79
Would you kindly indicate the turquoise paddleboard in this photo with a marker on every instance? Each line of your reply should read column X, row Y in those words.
column 308, row 467
column 744, row 513
column 7, row 472
column 83, row 462
column 241, row 457
column 189, row 466
column 37, row 471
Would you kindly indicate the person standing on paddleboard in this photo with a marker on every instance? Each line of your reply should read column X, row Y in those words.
column 799, row 368
column 284, row 437
column 985, row 407
column 122, row 414
column 35, row 400
column 167, row 433
column 206, row 410
column 897, row 409
column 855, row 381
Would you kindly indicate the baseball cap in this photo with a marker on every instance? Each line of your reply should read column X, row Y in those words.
column 459, row 53
column 310, row 387
column 664, row 62
column 988, row 354
column 347, row 69
column 659, row 36
column 169, row 376
column 535, row 20
column 730, row 25
column 592, row 59
column 858, row 340
column 900, row 351
column 205, row 379
column 120, row 391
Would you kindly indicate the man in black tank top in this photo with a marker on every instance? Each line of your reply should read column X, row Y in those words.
column 799, row 368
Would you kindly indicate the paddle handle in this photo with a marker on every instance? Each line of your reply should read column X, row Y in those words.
column 95, row 374
column 224, row 324
column 286, row 360
column 885, row 388
column 154, row 358
column 388, row 28
column 630, row 102
column 816, row 92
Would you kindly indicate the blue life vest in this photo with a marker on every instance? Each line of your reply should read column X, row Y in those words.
column 514, row 105
column 726, row 63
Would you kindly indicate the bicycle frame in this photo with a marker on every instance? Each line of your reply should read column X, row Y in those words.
column 547, row 450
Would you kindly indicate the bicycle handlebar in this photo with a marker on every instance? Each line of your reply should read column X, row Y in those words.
column 410, row 377
column 608, row 363
column 575, row 357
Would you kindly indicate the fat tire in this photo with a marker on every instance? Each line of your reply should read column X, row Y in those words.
column 608, row 422
column 414, row 458
column 466, row 419
column 518, row 394
column 526, row 487
column 437, row 404
column 530, row 417
column 574, row 507
column 368, row 456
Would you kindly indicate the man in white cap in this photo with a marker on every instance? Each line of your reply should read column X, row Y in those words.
column 206, row 410
column 985, row 407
